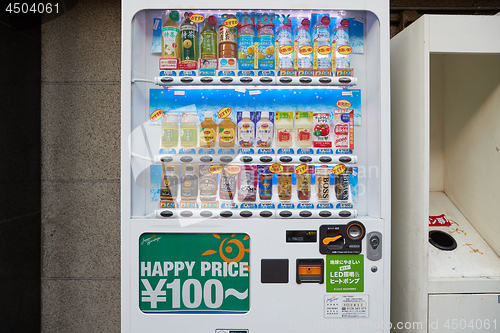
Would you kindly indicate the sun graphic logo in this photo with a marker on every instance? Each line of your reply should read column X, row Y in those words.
column 227, row 249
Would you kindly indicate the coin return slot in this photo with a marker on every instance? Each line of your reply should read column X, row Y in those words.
column 310, row 271
column 334, row 239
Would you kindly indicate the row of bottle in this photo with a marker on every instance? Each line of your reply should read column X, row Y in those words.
column 263, row 41
column 249, row 183
column 260, row 129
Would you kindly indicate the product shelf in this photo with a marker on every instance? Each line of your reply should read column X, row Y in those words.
column 346, row 81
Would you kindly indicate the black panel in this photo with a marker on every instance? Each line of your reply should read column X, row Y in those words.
column 274, row 271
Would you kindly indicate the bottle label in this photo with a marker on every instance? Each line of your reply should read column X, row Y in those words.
column 226, row 135
column 227, row 187
column 265, row 134
column 246, row 47
column 245, row 133
column 303, row 134
column 247, row 187
column 266, row 186
column 169, row 135
column 188, row 135
column 321, row 130
column 169, row 38
column 266, row 52
column 227, row 34
column 208, row 45
column 323, row 187
column 169, row 188
column 284, row 135
column 208, row 186
column 189, row 44
column 207, row 135
column 189, row 188
column 285, row 187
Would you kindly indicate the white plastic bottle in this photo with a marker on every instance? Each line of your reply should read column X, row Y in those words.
column 265, row 130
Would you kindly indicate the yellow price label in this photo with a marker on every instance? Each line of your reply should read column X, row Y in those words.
column 224, row 112
column 338, row 169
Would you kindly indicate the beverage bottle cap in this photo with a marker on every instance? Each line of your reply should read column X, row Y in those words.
column 189, row 168
column 246, row 114
column 208, row 114
column 264, row 114
column 170, row 168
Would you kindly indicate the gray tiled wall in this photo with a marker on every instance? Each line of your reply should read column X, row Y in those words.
column 81, row 169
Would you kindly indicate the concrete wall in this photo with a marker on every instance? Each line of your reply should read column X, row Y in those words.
column 81, row 169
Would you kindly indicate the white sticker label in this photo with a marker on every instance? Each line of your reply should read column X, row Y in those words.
column 346, row 306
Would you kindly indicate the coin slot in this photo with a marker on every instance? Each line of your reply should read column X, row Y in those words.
column 310, row 271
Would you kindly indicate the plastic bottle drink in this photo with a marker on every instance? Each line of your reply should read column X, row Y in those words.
column 170, row 130
column 265, row 38
column 227, row 42
column 340, row 38
column 246, row 41
column 208, row 39
column 321, row 130
column 283, row 123
column 285, row 43
column 227, row 133
column 170, row 35
column 188, row 41
column 265, row 130
column 189, row 129
column 323, row 183
column 189, row 184
column 227, row 185
column 208, row 184
column 208, row 131
column 321, row 37
column 303, row 128
column 302, row 40
column 247, row 183
column 170, row 185
column 246, row 129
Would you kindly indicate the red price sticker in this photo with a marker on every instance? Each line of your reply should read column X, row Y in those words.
column 325, row 49
column 224, row 112
column 197, row 18
column 156, row 115
column 343, row 104
column 276, row 168
column 301, row 169
column 338, row 169
column 231, row 22
column 215, row 169
column 345, row 50
column 233, row 169
column 287, row 49
column 305, row 50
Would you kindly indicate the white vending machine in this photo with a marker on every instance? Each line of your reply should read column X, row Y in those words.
column 255, row 167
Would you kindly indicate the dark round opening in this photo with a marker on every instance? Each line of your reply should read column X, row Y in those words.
column 442, row 240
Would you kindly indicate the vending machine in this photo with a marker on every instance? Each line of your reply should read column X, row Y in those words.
column 255, row 166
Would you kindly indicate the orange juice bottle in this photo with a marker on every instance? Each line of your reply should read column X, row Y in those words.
column 227, row 133
column 208, row 131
